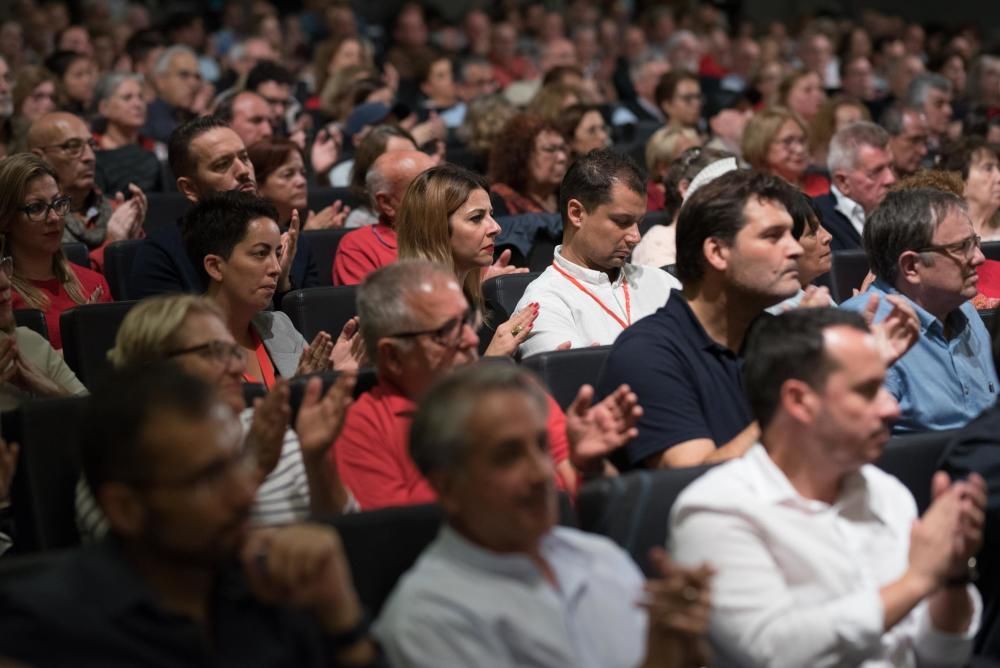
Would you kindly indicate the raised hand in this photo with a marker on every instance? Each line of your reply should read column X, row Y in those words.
column 325, row 151
column 816, row 296
column 595, row 431
column 128, row 217
column 320, row 418
column 316, row 356
column 501, row 267
column 679, row 607
column 266, row 437
column 348, row 353
column 332, row 217
column 512, row 333
column 897, row 332
column 289, row 245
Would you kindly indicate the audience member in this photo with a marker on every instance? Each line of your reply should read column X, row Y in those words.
column 663, row 148
column 77, row 76
column 124, row 156
column 835, row 114
column 775, row 141
column 481, row 592
column 584, row 129
column 383, row 139
column 34, row 93
column 591, row 292
column 802, row 93
column 275, row 84
column 176, row 80
column 816, row 258
column 884, row 586
column 932, row 94
column 527, row 164
column 678, row 95
column 248, row 114
column 977, row 162
column 908, row 136
column 8, row 465
column 645, row 74
column 922, row 247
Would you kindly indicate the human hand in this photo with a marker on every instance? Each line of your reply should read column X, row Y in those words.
column 502, row 267
column 349, row 352
column 432, row 128
column 8, row 464
column 30, row 379
column 512, row 333
column 325, row 150
column 127, row 219
column 679, row 606
column 315, row 356
column 897, row 332
column 940, row 538
column 332, row 217
column 595, row 431
column 816, row 296
column 289, row 245
column 320, row 418
column 266, row 436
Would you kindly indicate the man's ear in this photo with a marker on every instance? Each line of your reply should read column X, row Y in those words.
column 213, row 265
column 840, row 180
column 716, row 253
column 907, row 267
column 575, row 212
column 799, row 400
column 389, row 357
column 120, row 504
column 384, row 205
column 444, row 485
column 187, row 188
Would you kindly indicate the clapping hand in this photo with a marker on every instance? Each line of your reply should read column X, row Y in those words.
column 596, row 430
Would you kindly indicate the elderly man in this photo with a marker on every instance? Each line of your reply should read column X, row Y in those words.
column 65, row 143
column 821, row 558
column 922, row 246
column 176, row 79
column 908, row 136
column 183, row 580
column 248, row 114
column 645, row 74
column 591, row 292
column 932, row 94
column 502, row 584
column 364, row 250
column 860, row 165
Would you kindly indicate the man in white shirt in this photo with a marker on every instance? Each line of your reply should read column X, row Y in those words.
column 502, row 585
column 821, row 558
column 591, row 292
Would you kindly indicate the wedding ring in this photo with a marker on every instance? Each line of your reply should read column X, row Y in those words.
column 517, row 330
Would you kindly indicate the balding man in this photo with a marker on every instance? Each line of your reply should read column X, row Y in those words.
column 363, row 251
column 176, row 79
column 249, row 115
column 64, row 142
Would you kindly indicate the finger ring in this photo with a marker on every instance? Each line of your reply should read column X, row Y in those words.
column 517, row 330
column 690, row 594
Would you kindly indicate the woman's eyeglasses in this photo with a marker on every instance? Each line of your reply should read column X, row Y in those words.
column 39, row 211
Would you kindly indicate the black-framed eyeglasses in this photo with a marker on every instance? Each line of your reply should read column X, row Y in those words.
column 218, row 351
column 966, row 247
column 449, row 333
column 7, row 265
column 39, row 211
column 74, row 147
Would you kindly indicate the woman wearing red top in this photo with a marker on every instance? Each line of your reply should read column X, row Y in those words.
column 527, row 164
column 31, row 218
column 776, row 140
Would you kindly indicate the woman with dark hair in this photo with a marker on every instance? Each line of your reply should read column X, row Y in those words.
column 977, row 162
column 776, row 141
column 77, row 76
column 34, row 93
column 584, row 128
column 527, row 164
column 802, row 92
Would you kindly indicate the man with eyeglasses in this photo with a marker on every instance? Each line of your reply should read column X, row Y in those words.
column 860, row 165
column 177, row 80
column 921, row 245
column 64, row 142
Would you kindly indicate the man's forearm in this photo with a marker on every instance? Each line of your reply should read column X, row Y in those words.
column 951, row 609
column 737, row 446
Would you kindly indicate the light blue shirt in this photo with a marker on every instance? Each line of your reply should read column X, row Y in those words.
column 462, row 605
column 940, row 383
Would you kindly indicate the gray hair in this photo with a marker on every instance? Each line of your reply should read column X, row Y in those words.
column 375, row 182
column 163, row 62
column 920, row 86
column 674, row 42
column 905, row 221
column 383, row 302
column 439, row 439
column 847, row 142
column 109, row 84
column 648, row 56
column 894, row 117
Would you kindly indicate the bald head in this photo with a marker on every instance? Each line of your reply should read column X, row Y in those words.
column 390, row 176
column 64, row 141
column 251, row 118
column 52, row 128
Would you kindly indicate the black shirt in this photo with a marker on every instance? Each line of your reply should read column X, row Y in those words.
column 688, row 385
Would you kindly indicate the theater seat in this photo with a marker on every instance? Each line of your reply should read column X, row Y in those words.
column 323, row 244
column 77, row 253
column 320, row 198
column 991, row 249
column 164, row 209
column 564, row 371
column 118, row 257
column 504, row 292
column 651, row 219
column 88, row 333
column 913, row 459
column 847, row 272
column 313, row 310
column 633, row 510
column 33, row 319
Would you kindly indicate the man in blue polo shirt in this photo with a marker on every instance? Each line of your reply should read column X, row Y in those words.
column 921, row 245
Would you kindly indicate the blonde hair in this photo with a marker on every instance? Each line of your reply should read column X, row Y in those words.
column 150, row 330
column 423, row 230
column 761, row 131
column 16, row 174
column 665, row 145
column 824, row 124
column 550, row 101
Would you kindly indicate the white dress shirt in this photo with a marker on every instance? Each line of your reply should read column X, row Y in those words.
column 798, row 580
column 567, row 313
column 853, row 211
column 462, row 605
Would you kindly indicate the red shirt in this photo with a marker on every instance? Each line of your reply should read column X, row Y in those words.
column 59, row 299
column 372, row 453
column 363, row 251
column 815, row 184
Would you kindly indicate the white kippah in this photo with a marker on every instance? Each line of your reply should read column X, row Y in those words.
column 710, row 173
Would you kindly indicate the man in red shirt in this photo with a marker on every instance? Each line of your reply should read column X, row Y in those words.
column 417, row 325
column 363, row 251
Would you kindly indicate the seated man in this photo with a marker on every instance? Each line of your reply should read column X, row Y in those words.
column 921, row 245
column 417, row 325
column 502, row 585
column 364, row 250
column 820, row 556
column 162, row 453
column 591, row 292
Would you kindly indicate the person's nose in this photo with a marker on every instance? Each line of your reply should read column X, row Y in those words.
column 888, row 406
column 632, row 235
column 977, row 257
column 494, row 227
column 273, row 265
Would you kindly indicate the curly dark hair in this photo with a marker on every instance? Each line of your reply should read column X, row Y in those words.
column 512, row 150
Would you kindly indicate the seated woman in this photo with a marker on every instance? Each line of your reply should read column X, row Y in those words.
column 31, row 218
column 977, row 162
column 77, row 75
column 446, row 217
column 584, row 128
column 527, row 163
column 836, row 113
column 123, row 155
column 776, row 141
column 295, row 479
column 662, row 149
column 233, row 238
column 802, row 92
column 815, row 260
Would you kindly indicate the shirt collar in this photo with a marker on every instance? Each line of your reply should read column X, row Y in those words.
column 928, row 322
column 393, row 397
column 848, row 206
column 706, row 342
column 591, row 276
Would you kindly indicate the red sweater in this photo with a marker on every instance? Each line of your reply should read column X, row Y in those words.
column 59, row 299
column 363, row 251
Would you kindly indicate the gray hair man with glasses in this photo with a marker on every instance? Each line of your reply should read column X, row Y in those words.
column 64, row 142
column 921, row 245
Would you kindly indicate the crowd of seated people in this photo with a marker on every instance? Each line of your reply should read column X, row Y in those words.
column 683, row 195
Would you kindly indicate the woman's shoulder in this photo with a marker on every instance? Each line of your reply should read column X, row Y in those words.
column 88, row 277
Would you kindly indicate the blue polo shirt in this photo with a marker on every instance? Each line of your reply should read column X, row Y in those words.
column 940, row 383
column 688, row 385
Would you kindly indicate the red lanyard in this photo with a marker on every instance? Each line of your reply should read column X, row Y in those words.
column 264, row 362
column 628, row 301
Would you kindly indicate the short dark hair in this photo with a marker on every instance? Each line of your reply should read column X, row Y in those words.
column 805, row 215
column 960, row 156
column 218, row 222
column 111, row 439
column 787, row 346
column 591, row 178
column 716, row 210
column 669, row 82
column 268, row 70
column 59, row 62
column 182, row 163
column 141, row 43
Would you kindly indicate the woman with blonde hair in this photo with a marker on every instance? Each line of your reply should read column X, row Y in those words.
column 31, row 220
column 662, row 148
column 776, row 141
column 446, row 217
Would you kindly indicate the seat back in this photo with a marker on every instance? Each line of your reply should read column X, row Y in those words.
column 991, row 249
column 33, row 319
column 323, row 244
column 847, row 272
column 77, row 253
column 633, row 510
column 653, row 218
column 565, row 371
column 325, row 308
column 320, row 198
column 88, row 333
column 118, row 258
column 504, row 292
column 48, row 468
column 164, row 209
column 913, row 458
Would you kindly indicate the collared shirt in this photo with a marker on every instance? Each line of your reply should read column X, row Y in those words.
column 797, row 580
column 853, row 211
column 567, row 313
column 940, row 383
column 462, row 605
column 362, row 251
column 688, row 385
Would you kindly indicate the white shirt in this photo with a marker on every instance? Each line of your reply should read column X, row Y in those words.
column 798, row 580
column 462, row 605
column 853, row 211
column 567, row 313
column 658, row 247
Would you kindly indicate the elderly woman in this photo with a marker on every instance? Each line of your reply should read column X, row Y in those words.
column 123, row 155
column 976, row 161
column 31, row 218
column 527, row 164
column 295, row 481
column 776, row 141
column 662, row 149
